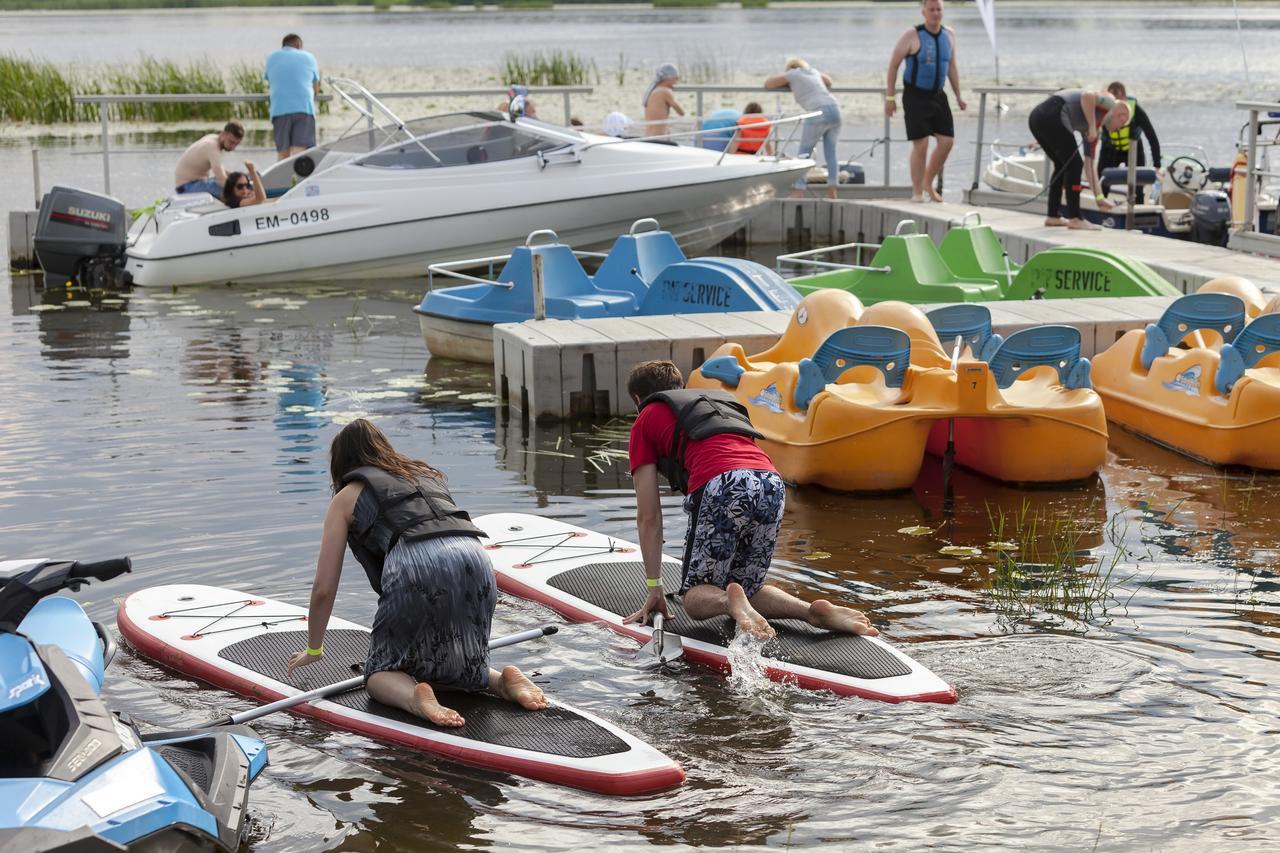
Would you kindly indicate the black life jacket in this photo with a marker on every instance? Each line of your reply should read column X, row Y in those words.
column 700, row 414
column 407, row 510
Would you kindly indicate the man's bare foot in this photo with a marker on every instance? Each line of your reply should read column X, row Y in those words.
column 749, row 621
column 833, row 193
column 426, row 705
column 1083, row 225
column 824, row 614
column 1055, row 221
column 917, row 198
column 935, row 195
column 515, row 686
column 797, row 193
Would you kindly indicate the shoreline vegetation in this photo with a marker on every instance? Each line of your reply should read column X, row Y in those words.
column 385, row 5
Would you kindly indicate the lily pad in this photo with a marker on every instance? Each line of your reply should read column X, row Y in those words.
column 819, row 555
column 960, row 551
column 1002, row 546
column 916, row 530
column 37, row 309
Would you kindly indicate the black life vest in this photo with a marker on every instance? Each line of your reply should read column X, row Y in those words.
column 699, row 414
column 407, row 510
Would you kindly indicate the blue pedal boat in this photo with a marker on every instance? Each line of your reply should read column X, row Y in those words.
column 644, row 274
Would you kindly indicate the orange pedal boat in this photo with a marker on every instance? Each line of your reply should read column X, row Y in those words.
column 1205, row 380
column 852, row 398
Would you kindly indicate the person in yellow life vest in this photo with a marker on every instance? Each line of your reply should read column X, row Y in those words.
column 1115, row 143
column 753, row 130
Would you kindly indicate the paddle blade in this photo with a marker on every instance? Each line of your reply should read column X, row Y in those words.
column 662, row 645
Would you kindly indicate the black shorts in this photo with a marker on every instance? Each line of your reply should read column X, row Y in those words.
column 294, row 130
column 926, row 113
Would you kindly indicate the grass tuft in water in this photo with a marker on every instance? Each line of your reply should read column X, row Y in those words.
column 548, row 68
column 1041, row 568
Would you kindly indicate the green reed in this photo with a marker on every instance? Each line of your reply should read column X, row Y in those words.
column 1041, row 567
column 41, row 92
column 547, row 68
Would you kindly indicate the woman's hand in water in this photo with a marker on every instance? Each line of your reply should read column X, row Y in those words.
column 302, row 658
column 656, row 602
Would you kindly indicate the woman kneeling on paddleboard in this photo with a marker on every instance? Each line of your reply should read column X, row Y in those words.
column 435, row 584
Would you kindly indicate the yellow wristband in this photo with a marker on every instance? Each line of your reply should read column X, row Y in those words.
column 651, row 582
column 1100, row 197
column 890, row 97
column 315, row 653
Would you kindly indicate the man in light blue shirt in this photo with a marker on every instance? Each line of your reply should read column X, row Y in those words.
column 294, row 79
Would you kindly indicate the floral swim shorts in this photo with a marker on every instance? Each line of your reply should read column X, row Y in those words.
column 733, row 529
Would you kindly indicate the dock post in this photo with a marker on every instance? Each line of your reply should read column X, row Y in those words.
column 1251, row 164
column 1131, row 189
column 887, row 128
column 35, row 173
column 539, row 294
column 106, row 149
column 568, row 110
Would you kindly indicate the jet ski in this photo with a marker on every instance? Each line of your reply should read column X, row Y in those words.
column 73, row 774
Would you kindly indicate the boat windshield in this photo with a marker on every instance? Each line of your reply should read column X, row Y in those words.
column 362, row 141
column 487, row 141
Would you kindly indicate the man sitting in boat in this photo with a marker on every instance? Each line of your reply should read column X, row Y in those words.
column 199, row 169
column 1115, row 143
column 703, row 443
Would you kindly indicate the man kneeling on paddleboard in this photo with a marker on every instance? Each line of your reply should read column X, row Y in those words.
column 436, row 592
column 703, row 443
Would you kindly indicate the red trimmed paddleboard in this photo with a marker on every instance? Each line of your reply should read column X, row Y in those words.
column 241, row 644
column 590, row 577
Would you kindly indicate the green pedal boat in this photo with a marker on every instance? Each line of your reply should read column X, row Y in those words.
column 970, row 266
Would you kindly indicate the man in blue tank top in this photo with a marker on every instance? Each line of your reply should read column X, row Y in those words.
column 929, row 50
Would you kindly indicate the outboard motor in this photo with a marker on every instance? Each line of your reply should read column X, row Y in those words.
column 82, row 236
column 1210, row 217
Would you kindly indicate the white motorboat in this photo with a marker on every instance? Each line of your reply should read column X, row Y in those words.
column 389, row 200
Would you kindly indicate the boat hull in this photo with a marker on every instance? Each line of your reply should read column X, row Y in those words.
column 457, row 339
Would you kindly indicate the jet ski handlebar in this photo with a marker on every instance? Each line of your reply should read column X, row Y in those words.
column 103, row 570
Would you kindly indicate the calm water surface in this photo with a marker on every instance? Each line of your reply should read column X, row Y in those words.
column 189, row 430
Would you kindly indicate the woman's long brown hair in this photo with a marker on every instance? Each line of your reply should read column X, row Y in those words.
column 361, row 443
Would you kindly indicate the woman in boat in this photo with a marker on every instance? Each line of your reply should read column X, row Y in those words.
column 435, row 585
column 243, row 190
column 811, row 89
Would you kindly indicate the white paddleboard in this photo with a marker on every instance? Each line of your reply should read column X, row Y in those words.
column 590, row 577
column 241, row 643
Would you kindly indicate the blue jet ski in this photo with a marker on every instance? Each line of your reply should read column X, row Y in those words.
column 74, row 775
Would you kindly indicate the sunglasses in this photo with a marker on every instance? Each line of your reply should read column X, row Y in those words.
column 243, row 186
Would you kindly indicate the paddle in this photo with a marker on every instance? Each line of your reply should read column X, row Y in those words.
column 353, row 683
column 949, row 455
column 665, row 647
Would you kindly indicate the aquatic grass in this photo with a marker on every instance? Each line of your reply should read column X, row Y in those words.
column 41, row 92
column 1041, row 572
column 692, row 4
column 705, row 66
column 548, row 68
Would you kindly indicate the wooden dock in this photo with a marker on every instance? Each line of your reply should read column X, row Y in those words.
column 555, row 369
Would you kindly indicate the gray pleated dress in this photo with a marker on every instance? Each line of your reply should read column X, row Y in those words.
column 436, row 608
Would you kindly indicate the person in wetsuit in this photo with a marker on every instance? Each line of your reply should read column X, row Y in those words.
column 702, row 442
column 1115, row 143
column 1054, row 123
column 435, row 585
column 929, row 50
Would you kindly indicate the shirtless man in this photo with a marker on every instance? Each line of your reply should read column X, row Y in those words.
column 929, row 50
column 734, row 501
column 199, row 169
column 659, row 100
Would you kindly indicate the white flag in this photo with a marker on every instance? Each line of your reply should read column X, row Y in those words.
column 987, row 9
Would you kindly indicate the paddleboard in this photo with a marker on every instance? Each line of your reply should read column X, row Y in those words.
column 590, row 577
column 242, row 643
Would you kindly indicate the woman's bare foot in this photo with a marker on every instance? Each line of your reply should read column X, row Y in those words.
column 917, row 199
column 824, row 614
column 797, row 193
column 1055, row 221
column 833, row 193
column 515, row 686
column 935, row 195
column 749, row 621
column 426, row 705
column 1083, row 225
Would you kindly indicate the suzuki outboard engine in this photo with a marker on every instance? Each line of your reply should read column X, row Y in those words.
column 1211, row 218
column 82, row 236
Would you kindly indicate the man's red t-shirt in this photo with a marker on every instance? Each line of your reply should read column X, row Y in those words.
column 651, row 436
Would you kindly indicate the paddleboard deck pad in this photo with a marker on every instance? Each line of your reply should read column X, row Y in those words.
column 242, row 644
column 590, row 577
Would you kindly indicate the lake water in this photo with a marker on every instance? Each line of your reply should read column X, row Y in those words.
column 190, row 431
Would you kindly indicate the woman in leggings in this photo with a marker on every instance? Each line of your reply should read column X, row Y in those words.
column 1054, row 124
